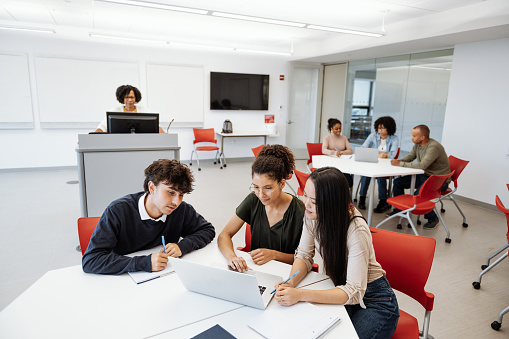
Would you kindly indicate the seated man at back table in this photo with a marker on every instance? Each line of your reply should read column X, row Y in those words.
column 431, row 158
column 138, row 221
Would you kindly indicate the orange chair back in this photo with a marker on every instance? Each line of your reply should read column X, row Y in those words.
column 247, row 238
column 457, row 165
column 397, row 154
column 432, row 188
column 505, row 210
column 86, row 227
column 257, row 150
column 313, row 149
column 407, row 259
column 301, row 179
column 204, row 135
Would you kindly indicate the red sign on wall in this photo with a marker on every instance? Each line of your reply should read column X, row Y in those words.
column 282, row 77
column 269, row 118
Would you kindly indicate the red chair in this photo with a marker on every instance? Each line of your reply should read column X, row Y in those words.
column 313, row 149
column 420, row 204
column 301, row 179
column 205, row 135
column 86, row 227
column 485, row 268
column 407, row 260
column 257, row 150
column 247, row 248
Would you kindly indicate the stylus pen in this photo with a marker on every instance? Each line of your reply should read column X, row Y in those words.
column 287, row 280
column 164, row 243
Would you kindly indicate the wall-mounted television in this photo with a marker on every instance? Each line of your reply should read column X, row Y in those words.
column 238, row 91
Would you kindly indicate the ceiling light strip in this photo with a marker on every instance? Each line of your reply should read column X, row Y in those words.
column 257, row 19
column 28, row 29
column 157, row 6
column 343, row 30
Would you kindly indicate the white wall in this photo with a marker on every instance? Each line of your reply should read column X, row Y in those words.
column 476, row 125
column 56, row 147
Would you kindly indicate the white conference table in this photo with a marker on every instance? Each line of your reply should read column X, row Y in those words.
column 70, row 303
column 382, row 168
column 263, row 135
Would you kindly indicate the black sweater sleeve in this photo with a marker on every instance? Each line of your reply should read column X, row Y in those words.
column 100, row 257
column 196, row 231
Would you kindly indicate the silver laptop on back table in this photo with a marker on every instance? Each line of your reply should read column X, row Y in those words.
column 366, row 154
column 251, row 288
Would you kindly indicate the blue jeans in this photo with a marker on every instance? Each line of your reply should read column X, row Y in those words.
column 382, row 186
column 404, row 182
column 380, row 317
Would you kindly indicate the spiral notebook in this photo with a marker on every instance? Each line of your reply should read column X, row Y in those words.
column 302, row 320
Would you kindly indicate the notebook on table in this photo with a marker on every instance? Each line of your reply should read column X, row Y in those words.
column 366, row 154
column 251, row 288
column 142, row 276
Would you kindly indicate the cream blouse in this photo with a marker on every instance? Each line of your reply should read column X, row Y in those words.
column 362, row 265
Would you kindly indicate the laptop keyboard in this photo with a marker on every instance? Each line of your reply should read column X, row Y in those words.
column 262, row 289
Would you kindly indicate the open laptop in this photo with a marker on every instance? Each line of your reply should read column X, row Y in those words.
column 251, row 288
column 366, row 154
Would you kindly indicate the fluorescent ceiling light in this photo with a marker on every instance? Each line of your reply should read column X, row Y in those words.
column 342, row 30
column 96, row 35
column 262, row 52
column 157, row 5
column 38, row 30
column 256, row 19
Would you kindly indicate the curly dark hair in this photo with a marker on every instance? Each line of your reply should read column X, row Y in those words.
column 169, row 172
column 333, row 122
column 276, row 161
column 388, row 122
column 124, row 91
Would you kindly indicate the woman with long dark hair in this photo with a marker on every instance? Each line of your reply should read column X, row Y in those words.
column 340, row 233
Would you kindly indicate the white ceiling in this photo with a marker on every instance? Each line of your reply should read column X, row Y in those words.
column 78, row 18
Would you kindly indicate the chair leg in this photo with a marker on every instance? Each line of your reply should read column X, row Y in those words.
column 425, row 327
column 402, row 214
column 497, row 324
column 459, row 209
column 191, row 161
column 357, row 190
column 198, row 161
column 448, row 237
column 477, row 284
column 291, row 188
column 494, row 254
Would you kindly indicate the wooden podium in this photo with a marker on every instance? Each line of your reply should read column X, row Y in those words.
column 111, row 165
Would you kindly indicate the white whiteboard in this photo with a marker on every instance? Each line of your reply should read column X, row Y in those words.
column 176, row 92
column 15, row 94
column 80, row 91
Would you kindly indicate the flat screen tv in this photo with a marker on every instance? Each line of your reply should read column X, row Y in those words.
column 237, row 91
column 125, row 122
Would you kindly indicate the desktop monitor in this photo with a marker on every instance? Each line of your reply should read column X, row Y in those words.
column 125, row 122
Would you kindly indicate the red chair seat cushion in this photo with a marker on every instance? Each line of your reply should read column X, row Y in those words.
column 408, row 327
column 207, row 148
column 406, row 201
column 447, row 191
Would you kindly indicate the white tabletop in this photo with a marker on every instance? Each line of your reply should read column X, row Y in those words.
column 347, row 164
column 70, row 303
column 244, row 134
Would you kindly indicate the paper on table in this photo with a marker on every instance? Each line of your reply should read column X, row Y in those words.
column 302, row 320
column 141, row 276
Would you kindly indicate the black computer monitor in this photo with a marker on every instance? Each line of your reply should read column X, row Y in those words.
column 125, row 122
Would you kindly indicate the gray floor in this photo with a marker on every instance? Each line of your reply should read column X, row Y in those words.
column 38, row 233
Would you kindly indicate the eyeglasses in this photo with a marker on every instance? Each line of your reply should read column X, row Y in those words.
column 126, row 98
column 265, row 191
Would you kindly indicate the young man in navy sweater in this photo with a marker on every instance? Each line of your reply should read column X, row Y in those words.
column 137, row 221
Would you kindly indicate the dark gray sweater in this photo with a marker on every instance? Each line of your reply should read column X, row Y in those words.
column 121, row 231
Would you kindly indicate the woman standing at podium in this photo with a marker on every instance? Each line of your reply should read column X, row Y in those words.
column 128, row 96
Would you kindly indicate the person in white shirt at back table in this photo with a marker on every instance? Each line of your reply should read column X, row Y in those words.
column 337, row 144
column 129, row 96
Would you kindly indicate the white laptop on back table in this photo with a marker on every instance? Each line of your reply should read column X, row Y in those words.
column 251, row 288
column 366, row 154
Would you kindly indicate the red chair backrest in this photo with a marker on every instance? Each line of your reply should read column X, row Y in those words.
column 86, row 227
column 457, row 165
column 257, row 150
column 313, row 149
column 204, row 135
column 301, row 179
column 397, row 154
column 432, row 188
column 407, row 259
column 247, row 238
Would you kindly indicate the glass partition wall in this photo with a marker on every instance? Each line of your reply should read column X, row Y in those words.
column 411, row 88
